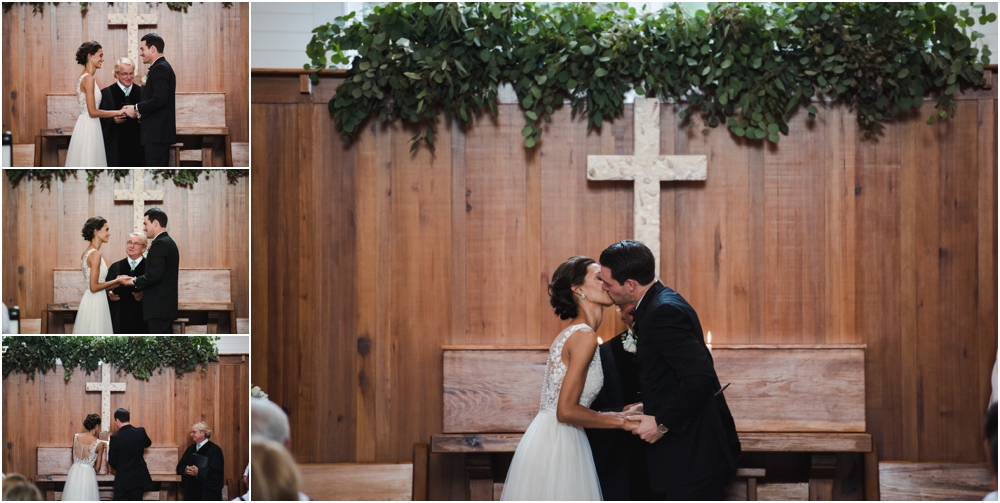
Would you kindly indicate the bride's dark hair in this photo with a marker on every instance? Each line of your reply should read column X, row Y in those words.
column 91, row 421
column 93, row 225
column 570, row 273
column 87, row 49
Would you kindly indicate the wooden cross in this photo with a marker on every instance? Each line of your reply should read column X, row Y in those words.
column 132, row 20
column 138, row 195
column 106, row 387
column 647, row 168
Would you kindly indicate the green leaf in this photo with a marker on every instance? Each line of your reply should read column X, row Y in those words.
column 529, row 142
column 828, row 49
column 903, row 73
column 531, row 115
column 571, row 84
column 527, row 130
column 536, row 92
column 600, row 72
column 541, row 79
column 587, row 50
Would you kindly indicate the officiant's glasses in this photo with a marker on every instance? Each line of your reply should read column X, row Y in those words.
column 133, row 243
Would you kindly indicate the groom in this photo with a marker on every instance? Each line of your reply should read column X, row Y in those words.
column 159, row 284
column 125, row 451
column 692, row 448
column 156, row 110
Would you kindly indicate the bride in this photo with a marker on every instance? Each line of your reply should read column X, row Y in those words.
column 81, row 481
column 553, row 461
column 94, row 315
column 86, row 146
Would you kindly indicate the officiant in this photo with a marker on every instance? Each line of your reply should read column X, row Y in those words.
column 121, row 134
column 202, row 467
column 125, row 302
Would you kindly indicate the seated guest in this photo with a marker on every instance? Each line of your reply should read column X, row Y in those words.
column 246, row 480
column 17, row 488
column 202, row 467
column 274, row 474
column 267, row 420
column 991, row 447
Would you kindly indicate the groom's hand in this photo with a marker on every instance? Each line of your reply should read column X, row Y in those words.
column 112, row 297
column 647, row 428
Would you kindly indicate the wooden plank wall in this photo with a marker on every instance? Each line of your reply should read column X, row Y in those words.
column 48, row 410
column 376, row 257
column 209, row 222
column 208, row 46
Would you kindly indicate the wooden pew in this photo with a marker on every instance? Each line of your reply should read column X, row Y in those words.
column 23, row 155
column 199, row 290
column 201, row 125
column 904, row 480
column 783, row 398
column 367, row 481
column 53, row 463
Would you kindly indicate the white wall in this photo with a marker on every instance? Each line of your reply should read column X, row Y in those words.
column 233, row 344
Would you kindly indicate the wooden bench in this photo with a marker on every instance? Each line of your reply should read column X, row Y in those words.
column 808, row 399
column 201, row 125
column 199, row 291
column 367, row 481
column 903, row 480
column 53, row 463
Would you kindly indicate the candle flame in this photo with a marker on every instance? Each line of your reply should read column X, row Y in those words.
column 600, row 341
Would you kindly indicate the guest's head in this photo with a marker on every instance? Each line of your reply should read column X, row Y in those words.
column 17, row 488
column 269, row 421
column 122, row 417
column 991, row 439
column 154, row 221
column 200, row 432
column 135, row 245
column 150, row 47
column 96, row 228
column 92, row 422
column 124, row 71
column 273, row 474
column 90, row 52
column 576, row 282
column 627, row 269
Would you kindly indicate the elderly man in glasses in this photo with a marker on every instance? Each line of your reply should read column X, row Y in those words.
column 125, row 302
column 121, row 134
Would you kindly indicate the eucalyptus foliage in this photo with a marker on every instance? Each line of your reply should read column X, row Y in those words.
column 182, row 177
column 139, row 356
column 748, row 66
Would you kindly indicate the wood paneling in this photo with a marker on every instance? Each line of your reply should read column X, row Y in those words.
column 209, row 221
column 47, row 411
column 376, row 257
column 208, row 47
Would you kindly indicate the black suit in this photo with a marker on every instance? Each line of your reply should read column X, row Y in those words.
column 619, row 456
column 207, row 486
column 121, row 141
column 126, row 314
column 159, row 120
column 159, row 284
column 125, row 456
column 699, row 453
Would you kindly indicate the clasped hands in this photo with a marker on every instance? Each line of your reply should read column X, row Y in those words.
column 640, row 424
column 126, row 280
column 126, row 112
column 191, row 470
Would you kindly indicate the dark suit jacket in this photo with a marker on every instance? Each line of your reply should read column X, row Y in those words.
column 207, row 486
column 121, row 141
column 159, row 119
column 125, row 456
column 159, row 284
column 126, row 314
column 678, row 381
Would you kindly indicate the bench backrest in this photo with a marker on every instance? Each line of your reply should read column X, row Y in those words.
column 903, row 480
column 192, row 109
column 58, row 460
column 193, row 285
column 357, row 481
column 774, row 388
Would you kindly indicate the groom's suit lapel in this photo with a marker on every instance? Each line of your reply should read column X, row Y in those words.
column 647, row 301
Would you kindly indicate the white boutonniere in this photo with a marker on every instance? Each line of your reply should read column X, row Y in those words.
column 256, row 392
column 628, row 341
column 143, row 80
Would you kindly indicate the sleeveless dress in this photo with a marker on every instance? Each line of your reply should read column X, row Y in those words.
column 553, row 461
column 94, row 315
column 81, row 481
column 86, row 146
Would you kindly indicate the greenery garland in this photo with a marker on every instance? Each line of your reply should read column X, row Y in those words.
column 138, row 356
column 181, row 177
column 746, row 65
column 39, row 7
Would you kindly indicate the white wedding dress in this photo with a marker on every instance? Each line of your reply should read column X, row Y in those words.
column 81, row 481
column 553, row 461
column 94, row 315
column 86, row 146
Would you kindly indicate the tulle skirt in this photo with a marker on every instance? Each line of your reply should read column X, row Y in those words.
column 553, row 461
column 81, row 484
column 86, row 145
column 94, row 315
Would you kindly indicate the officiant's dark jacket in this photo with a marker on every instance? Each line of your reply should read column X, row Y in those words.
column 125, row 451
column 126, row 314
column 207, row 486
column 159, row 121
column 619, row 456
column 159, row 283
column 121, row 141
column 678, row 383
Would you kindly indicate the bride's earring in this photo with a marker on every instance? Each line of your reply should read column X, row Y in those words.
column 583, row 296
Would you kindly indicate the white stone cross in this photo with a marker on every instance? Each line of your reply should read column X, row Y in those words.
column 132, row 20
column 106, row 387
column 647, row 168
column 138, row 195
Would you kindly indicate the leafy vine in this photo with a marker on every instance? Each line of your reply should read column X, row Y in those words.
column 181, row 177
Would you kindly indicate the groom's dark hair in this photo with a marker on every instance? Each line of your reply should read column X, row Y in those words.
column 153, row 40
column 122, row 415
column 630, row 259
column 158, row 215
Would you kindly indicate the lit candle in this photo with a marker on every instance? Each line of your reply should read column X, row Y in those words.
column 709, row 341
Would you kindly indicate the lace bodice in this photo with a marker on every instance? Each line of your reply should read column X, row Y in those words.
column 555, row 372
column 81, row 97
column 86, row 268
column 83, row 450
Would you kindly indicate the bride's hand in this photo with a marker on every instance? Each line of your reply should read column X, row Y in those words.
column 633, row 410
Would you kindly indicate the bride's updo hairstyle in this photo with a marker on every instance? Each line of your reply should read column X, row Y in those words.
column 92, row 421
column 93, row 225
column 570, row 273
column 86, row 49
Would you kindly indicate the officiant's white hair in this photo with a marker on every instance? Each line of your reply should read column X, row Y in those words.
column 124, row 61
column 269, row 421
column 141, row 235
column 203, row 426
